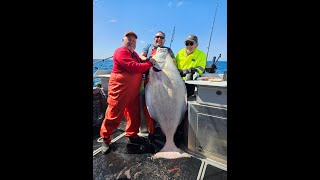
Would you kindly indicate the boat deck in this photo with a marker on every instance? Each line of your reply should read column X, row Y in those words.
column 129, row 161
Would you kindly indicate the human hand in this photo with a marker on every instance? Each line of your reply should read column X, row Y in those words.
column 155, row 65
column 183, row 72
column 152, row 60
column 144, row 58
column 193, row 70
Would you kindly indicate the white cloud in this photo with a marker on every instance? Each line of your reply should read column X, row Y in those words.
column 176, row 3
column 113, row 21
column 142, row 42
column 179, row 3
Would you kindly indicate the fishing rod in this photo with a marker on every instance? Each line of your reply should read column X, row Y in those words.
column 172, row 36
column 102, row 60
column 217, row 58
column 214, row 18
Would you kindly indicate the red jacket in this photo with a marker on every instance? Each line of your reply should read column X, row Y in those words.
column 124, row 60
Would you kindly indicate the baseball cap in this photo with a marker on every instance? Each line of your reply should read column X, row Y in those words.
column 192, row 38
column 131, row 33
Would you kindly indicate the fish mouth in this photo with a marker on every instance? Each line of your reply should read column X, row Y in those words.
column 156, row 67
column 156, row 70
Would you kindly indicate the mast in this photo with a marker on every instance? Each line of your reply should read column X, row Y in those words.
column 214, row 18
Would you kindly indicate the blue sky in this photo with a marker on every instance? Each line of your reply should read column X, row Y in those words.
column 112, row 18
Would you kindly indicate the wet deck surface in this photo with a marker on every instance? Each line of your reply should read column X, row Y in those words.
column 126, row 162
column 129, row 161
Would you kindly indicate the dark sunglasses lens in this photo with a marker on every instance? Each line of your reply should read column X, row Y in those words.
column 161, row 37
column 189, row 43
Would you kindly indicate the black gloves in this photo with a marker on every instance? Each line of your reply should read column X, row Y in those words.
column 193, row 70
column 184, row 72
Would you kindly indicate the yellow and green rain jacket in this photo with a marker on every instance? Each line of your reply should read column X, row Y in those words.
column 196, row 58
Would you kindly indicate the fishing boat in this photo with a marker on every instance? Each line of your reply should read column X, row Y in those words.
column 204, row 137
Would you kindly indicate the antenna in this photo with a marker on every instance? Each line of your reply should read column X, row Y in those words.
column 214, row 18
column 172, row 35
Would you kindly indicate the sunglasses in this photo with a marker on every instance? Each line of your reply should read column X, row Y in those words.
column 189, row 43
column 161, row 37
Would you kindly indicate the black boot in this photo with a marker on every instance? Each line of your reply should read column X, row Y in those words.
column 151, row 138
column 138, row 140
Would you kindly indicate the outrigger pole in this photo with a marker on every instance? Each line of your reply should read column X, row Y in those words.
column 102, row 60
column 172, row 36
column 214, row 18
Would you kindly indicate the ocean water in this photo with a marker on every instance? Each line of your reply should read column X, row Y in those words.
column 108, row 64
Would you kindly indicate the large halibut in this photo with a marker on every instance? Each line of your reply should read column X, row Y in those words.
column 166, row 100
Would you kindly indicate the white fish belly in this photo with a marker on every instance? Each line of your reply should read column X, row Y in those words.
column 166, row 95
column 166, row 98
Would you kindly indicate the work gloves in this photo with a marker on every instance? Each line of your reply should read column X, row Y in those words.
column 184, row 72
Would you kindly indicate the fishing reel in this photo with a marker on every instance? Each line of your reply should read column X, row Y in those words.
column 212, row 68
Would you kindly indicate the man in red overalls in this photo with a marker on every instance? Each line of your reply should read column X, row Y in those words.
column 123, row 92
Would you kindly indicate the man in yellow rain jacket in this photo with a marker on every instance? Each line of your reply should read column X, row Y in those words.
column 190, row 60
